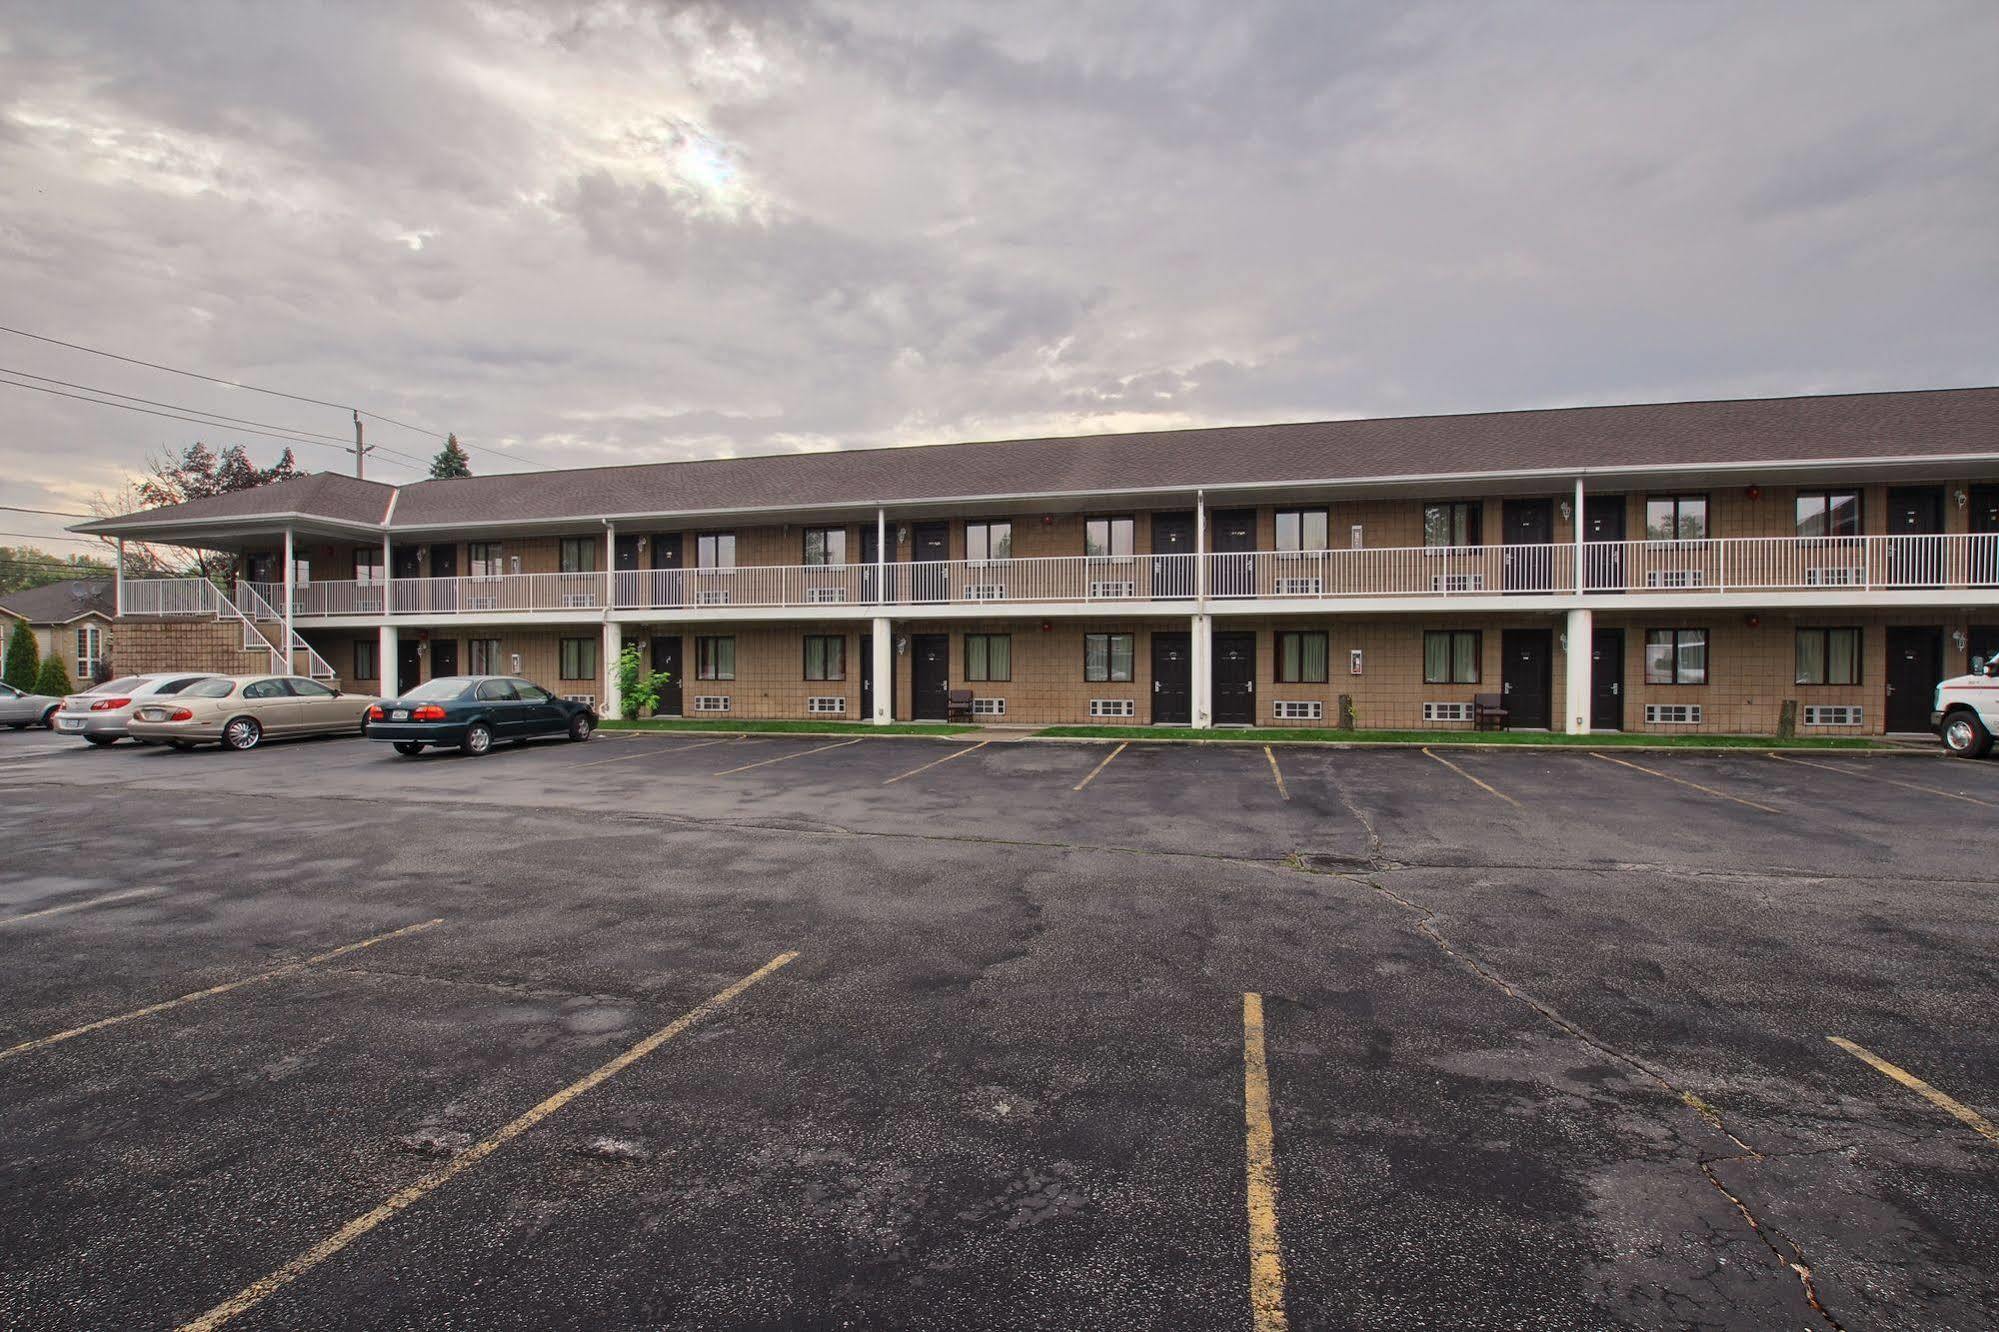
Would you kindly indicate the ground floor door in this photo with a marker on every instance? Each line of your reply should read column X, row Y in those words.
column 443, row 657
column 1172, row 679
column 930, row 676
column 409, row 665
column 868, row 678
column 1524, row 674
column 1234, row 679
column 1915, row 664
column 1606, row 702
column 666, row 659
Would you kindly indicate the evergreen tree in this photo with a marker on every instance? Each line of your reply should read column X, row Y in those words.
column 451, row 461
column 23, row 657
column 54, row 678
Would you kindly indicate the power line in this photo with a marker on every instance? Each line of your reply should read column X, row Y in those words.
column 252, row 388
column 192, row 420
column 37, row 536
column 200, row 411
column 53, row 513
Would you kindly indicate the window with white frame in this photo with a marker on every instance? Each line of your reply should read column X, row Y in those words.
column 1113, row 707
column 989, row 707
column 711, row 703
column 1673, row 714
column 825, row 706
column 89, row 650
column 1828, row 657
column 1298, row 710
column 1442, row 712
column 1676, row 656
column 1107, row 657
column 1829, row 714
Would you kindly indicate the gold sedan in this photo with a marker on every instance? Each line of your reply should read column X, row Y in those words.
column 241, row 711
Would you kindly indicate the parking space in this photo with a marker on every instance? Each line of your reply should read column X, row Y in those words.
column 1542, row 1039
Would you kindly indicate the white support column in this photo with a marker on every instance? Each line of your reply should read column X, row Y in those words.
column 1201, row 548
column 610, row 565
column 1580, row 675
column 611, row 702
column 388, row 578
column 385, row 661
column 1202, row 666
column 118, row 585
column 291, row 575
column 883, row 664
column 1577, row 533
column 881, row 555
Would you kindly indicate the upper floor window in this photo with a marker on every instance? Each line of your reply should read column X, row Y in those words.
column 1301, row 529
column 368, row 565
column 715, row 550
column 579, row 555
column 988, row 541
column 1823, row 513
column 1452, row 523
column 825, row 545
column 483, row 559
column 1107, row 536
column 1676, row 518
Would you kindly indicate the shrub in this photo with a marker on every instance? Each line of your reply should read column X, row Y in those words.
column 638, row 688
column 54, row 679
column 23, row 657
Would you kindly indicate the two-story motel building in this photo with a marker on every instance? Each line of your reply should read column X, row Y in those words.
column 1706, row 566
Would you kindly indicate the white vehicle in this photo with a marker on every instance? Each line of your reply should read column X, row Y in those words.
column 1966, row 712
column 99, row 715
column 21, row 711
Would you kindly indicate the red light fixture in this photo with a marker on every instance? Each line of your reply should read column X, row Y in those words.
column 181, row 714
column 428, row 712
column 1755, row 493
column 375, row 712
column 110, row 704
column 1047, row 626
column 1753, row 621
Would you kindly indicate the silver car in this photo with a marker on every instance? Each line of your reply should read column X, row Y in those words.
column 101, row 714
column 21, row 711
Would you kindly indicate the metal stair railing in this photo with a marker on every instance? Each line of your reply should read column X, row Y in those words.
column 251, row 604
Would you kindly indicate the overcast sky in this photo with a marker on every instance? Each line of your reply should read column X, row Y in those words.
column 582, row 234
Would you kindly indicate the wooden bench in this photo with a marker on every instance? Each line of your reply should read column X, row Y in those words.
column 958, row 705
column 1488, row 712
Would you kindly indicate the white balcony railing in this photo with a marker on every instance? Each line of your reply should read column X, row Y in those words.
column 1736, row 564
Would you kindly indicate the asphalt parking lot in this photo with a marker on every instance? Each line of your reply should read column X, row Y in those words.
column 318, row 1037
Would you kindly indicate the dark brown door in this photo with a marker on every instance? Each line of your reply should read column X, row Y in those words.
column 260, row 568
column 666, row 658
column 1606, row 702
column 1234, row 679
column 1172, row 679
column 628, row 577
column 407, row 561
column 409, row 666
column 1914, row 514
column 444, row 561
column 443, row 657
column 443, row 596
column 1915, row 664
column 930, row 676
column 1531, row 523
column 1172, row 534
column 1984, row 517
column 868, row 677
column 1525, row 659
column 668, row 552
column 871, row 573
column 1232, row 534
column 930, row 545
column 1603, row 521
column 1981, row 645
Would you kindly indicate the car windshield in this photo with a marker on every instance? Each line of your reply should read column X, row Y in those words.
column 124, row 684
column 211, row 688
column 451, row 686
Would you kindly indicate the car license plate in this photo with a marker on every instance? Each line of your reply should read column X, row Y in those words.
column 154, row 714
column 400, row 714
column 69, row 723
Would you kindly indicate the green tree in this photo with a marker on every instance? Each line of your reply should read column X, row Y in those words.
column 23, row 657
column 451, row 461
column 54, row 678
column 23, row 567
column 638, row 688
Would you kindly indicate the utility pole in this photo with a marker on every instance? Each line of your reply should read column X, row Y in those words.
column 360, row 450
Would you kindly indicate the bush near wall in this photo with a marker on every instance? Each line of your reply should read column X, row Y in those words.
column 53, row 679
column 23, row 657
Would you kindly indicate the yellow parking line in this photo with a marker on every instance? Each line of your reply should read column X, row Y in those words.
column 1473, row 780
column 626, row 758
column 127, row 895
column 1891, row 781
column 1276, row 771
column 1979, row 1123
column 1266, row 1260
column 42, row 1042
column 259, row 1291
column 934, row 762
column 785, row 758
column 1705, row 790
column 1122, row 746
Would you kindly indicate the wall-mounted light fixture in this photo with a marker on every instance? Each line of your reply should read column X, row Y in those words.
column 1957, row 637
column 516, row 561
column 1962, row 498
column 1563, row 639
column 902, row 645
column 902, row 535
column 1568, row 511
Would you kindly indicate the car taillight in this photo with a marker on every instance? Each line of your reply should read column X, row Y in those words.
column 110, row 704
column 181, row 714
column 429, row 712
column 375, row 712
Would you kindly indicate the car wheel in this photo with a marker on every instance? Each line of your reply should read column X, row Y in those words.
column 242, row 733
column 102, row 740
column 580, row 727
column 1965, row 736
column 478, row 739
column 17, row 726
column 182, row 745
column 49, row 718
column 409, row 748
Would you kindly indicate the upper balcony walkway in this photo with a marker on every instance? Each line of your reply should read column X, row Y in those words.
column 1825, row 568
